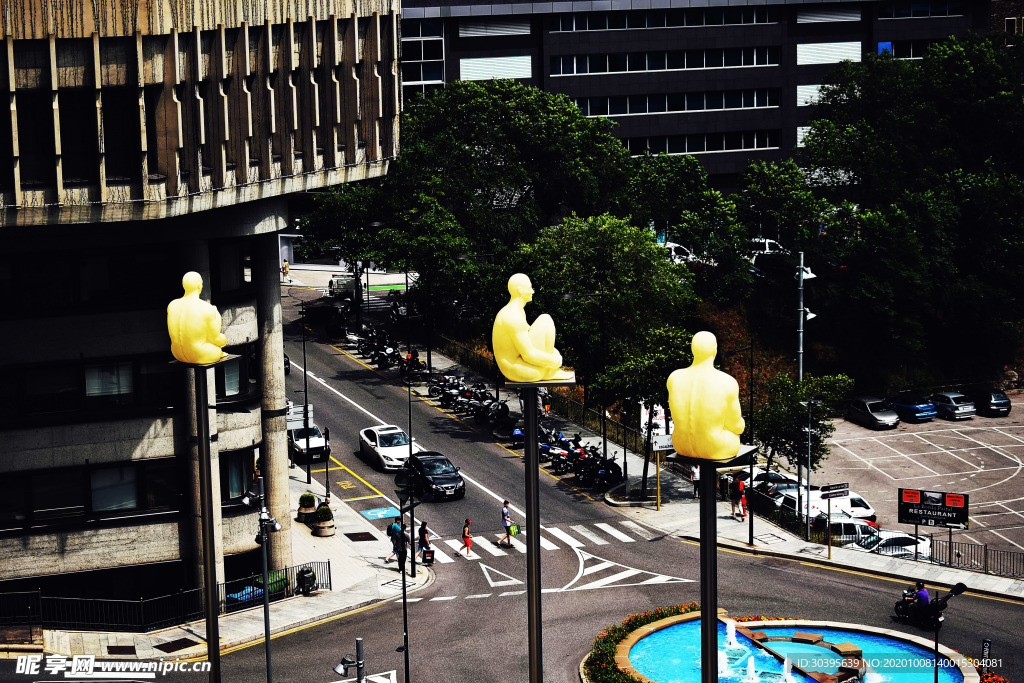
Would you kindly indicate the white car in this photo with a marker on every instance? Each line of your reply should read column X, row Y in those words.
column 895, row 544
column 853, row 505
column 388, row 444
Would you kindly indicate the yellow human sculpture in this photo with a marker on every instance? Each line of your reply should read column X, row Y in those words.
column 525, row 353
column 194, row 325
column 705, row 405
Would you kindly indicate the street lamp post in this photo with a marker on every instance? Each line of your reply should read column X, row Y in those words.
column 267, row 524
column 405, row 494
column 305, row 395
column 813, row 403
column 802, row 274
column 348, row 661
column 938, row 607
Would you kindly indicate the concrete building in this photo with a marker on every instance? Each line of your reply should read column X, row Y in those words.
column 727, row 81
column 145, row 139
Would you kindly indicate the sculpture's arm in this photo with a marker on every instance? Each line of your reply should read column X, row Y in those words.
column 734, row 415
column 213, row 333
column 530, row 353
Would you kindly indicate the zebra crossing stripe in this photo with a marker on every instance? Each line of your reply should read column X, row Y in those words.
column 564, row 537
column 614, row 533
column 589, row 535
column 490, row 548
column 638, row 530
column 597, row 567
column 516, row 543
column 456, row 543
column 544, row 543
column 440, row 556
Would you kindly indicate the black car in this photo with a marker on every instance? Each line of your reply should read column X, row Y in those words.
column 433, row 476
column 992, row 402
column 871, row 412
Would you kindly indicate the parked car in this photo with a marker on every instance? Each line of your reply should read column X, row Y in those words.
column 992, row 402
column 287, row 365
column 870, row 411
column 850, row 530
column 432, row 474
column 853, row 505
column 913, row 407
column 763, row 245
column 316, row 447
column 895, row 544
column 388, row 445
column 953, row 405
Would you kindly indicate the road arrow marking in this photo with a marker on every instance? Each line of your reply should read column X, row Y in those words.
column 386, row 677
column 507, row 581
column 591, row 565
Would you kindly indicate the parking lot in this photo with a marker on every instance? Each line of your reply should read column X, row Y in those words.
column 982, row 457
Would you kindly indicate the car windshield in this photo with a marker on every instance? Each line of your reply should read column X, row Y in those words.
column 314, row 433
column 394, row 439
column 858, row 502
column 877, row 406
column 433, row 467
column 868, row 542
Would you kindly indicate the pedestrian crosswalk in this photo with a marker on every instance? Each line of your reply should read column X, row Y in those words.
column 573, row 536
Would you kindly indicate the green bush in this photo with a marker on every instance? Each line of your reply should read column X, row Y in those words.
column 307, row 500
column 323, row 513
column 600, row 667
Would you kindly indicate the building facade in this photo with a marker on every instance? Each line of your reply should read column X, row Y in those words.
column 727, row 81
column 145, row 139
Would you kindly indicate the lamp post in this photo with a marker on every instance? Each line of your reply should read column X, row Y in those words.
column 267, row 524
column 938, row 607
column 802, row 274
column 405, row 494
column 348, row 661
column 813, row 403
column 750, row 412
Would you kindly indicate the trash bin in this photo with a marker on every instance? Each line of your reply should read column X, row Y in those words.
column 306, row 580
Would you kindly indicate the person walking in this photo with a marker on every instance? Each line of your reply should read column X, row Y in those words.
column 399, row 542
column 735, row 494
column 695, row 478
column 424, row 540
column 467, row 538
column 393, row 530
column 506, row 521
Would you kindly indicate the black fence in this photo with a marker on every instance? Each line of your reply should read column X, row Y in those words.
column 33, row 609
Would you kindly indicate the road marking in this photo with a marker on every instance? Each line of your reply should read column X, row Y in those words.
column 516, row 543
column 544, row 543
column 614, row 533
column 385, row 677
column 638, row 530
column 440, row 556
column 512, row 593
column 491, row 572
column 588, row 534
column 479, row 595
column 592, row 565
column 564, row 537
column 442, row 599
column 490, row 548
column 456, row 543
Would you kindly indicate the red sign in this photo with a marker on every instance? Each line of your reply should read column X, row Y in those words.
column 954, row 500
column 911, row 496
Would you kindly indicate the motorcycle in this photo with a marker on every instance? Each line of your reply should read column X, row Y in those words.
column 909, row 610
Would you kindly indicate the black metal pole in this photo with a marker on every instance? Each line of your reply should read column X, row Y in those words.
column 305, row 400
column 412, row 506
column 750, row 502
column 360, row 665
column 266, row 579
column 938, row 625
column 405, row 616
column 206, row 512
column 709, row 575
column 533, row 604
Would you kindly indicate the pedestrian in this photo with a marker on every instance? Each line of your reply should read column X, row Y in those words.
column 743, row 503
column 506, row 521
column 695, row 478
column 735, row 494
column 393, row 530
column 285, row 270
column 424, row 543
column 467, row 538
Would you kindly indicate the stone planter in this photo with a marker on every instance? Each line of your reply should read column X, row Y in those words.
column 324, row 528
column 305, row 514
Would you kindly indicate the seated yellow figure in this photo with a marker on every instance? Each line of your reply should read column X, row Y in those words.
column 525, row 353
column 705, row 405
column 194, row 325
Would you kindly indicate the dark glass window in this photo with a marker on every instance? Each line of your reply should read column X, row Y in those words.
column 78, row 139
column 617, row 62
column 58, row 494
column 655, row 103
column 121, row 141
column 617, row 106
column 109, row 384
column 236, row 473
column 114, row 488
column 161, row 484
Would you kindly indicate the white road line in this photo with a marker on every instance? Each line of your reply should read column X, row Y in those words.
column 598, row 567
column 614, row 533
column 588, row 534
column 479, row 595
column 408, row 600
column 564, row 537
column 490, row 547
column 638, row 530
column 512, row 593
column 442, row 599
column 441, row 557
column 516, row 543
column 544, row 543
column 615, row 577
column 456, row 543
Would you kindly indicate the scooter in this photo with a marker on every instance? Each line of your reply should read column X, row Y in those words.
column 929, row 616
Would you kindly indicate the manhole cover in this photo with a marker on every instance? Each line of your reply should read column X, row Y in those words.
column 120, row 649
column 361, row 536
column 175, row 645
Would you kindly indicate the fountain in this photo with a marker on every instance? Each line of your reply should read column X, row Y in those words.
column 723, row 665
column 787, row 670
column 751, row 676
column 730, row 634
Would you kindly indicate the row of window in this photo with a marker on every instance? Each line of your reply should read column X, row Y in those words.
column 422, row 72
column 115, row 387
column 905, row 9
column 662, row 60
column 906, row 49
column 697, row 143
column 422, row 28
column 68, row 495
column 672, row 102
column 671, row 18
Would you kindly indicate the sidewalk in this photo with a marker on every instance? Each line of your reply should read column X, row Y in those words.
column 359, row 576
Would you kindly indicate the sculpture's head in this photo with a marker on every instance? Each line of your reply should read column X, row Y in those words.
column 519, row 286
column 704, row 346
column 192, row 282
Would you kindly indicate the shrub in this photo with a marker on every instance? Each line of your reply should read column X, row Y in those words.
column 307, row 500
column 600, row 667
column 323, row 513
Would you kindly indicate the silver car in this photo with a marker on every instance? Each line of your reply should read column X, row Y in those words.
column 952, row 405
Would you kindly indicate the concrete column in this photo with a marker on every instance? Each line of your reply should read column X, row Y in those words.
column 274, row 453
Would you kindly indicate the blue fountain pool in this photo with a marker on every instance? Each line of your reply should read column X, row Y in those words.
column 672, row 655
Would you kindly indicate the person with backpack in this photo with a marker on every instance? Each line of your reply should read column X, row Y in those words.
column 736, row 494
column 394, row 529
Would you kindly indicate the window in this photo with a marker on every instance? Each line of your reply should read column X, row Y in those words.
column 52, row 389
column 109, row 384
column 114, row 488
column 236, row 473
column 58, row 494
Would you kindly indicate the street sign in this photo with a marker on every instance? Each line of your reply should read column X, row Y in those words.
column 835, row 487
column 838, row 493
column 933, row 508
column 662, row 442
column 295, row 416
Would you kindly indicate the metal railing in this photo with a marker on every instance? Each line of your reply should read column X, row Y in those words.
column 32, row 608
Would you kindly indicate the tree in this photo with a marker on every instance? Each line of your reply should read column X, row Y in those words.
column 343, row 221
column 721, row 242
column 776, row 201
column 782, row 420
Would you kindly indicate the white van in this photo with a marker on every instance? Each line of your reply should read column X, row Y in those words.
column 850, row 530
column 853, row 505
